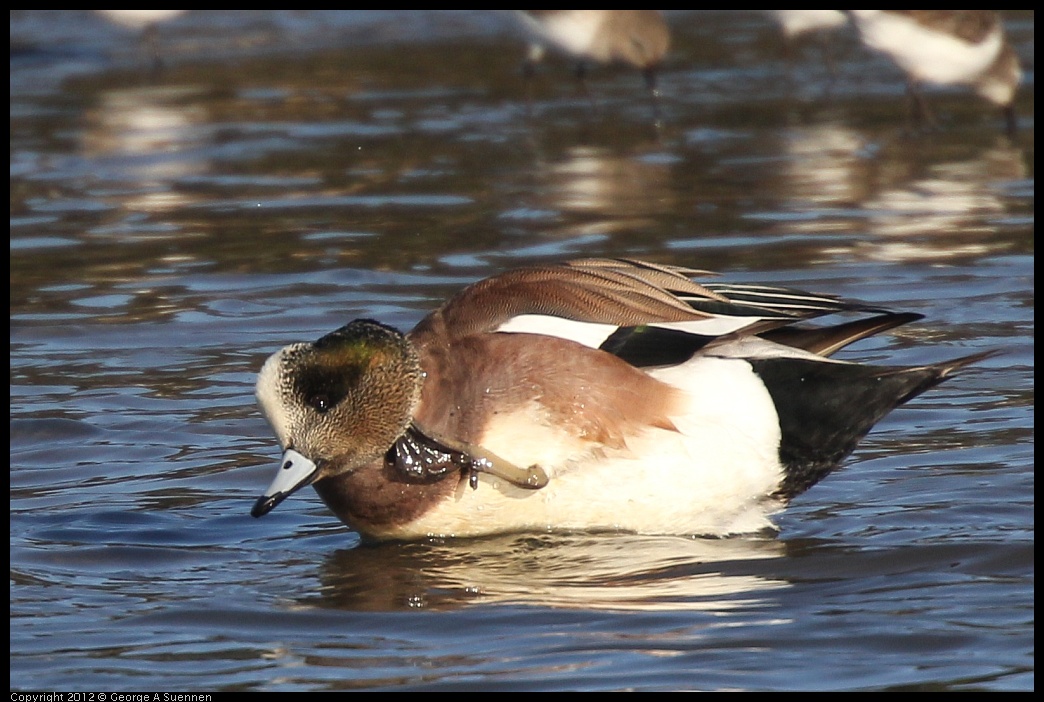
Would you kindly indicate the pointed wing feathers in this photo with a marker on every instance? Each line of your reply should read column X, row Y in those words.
column 601, row 302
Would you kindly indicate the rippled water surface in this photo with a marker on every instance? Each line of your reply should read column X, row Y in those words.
column 286, row 172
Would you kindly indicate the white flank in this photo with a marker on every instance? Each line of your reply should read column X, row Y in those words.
column 571, row 30
column 797, row 22
column 712, row 477
column 139, row 19
column 924, row 53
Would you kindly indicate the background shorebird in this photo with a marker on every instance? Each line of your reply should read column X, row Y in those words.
column 946, row 47
column 636, row 38
column 146, row 22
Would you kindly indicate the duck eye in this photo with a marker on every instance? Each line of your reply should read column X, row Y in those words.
column 320, row 403
column 322, row 386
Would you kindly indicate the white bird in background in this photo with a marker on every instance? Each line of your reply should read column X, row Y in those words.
column 946, row 47
column 146, row 22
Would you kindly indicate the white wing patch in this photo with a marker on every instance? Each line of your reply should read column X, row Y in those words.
column 586, row 333
column 593, row 334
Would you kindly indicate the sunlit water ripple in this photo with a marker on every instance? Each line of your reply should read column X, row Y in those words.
column 287, row 172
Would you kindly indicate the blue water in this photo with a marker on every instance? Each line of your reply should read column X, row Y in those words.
column 286, row 172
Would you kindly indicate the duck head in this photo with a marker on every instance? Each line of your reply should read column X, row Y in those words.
column 337, row 404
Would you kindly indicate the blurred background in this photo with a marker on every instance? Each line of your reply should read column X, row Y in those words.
column 188, row 196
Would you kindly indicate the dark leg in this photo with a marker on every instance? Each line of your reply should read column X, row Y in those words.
column 654, row 93
column 528, row 75
column 920, row 111
column 581, row 79
column 1011, row 122
column 150, row 39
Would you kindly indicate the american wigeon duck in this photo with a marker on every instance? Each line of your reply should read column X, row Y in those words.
column 946, row 47
column 590, row 395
